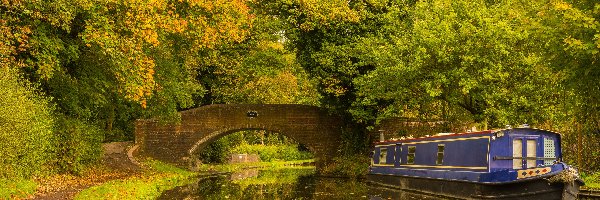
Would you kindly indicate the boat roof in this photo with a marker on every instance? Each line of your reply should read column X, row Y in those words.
column 444, row 135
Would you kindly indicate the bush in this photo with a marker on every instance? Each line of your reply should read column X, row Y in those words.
column 270, row 153
column 591, row 180
column 77, row 145
column 26, row 125
column 218, row 151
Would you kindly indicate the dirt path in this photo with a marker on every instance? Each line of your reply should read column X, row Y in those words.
column 116, row 164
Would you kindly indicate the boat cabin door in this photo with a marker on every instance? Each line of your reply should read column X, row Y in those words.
column 524, row 152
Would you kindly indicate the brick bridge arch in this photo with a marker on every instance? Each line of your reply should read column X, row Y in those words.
column 180, row 143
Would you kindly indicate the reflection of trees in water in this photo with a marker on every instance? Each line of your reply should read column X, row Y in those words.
column 305, row 187
column 211, row 186
column 284, row 184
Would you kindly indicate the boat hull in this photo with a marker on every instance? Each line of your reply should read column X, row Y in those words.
column 534, row 189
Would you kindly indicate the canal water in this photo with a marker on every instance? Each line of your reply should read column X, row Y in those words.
column 282, row 184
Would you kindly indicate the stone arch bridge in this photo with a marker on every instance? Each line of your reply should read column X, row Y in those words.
column 180, row 143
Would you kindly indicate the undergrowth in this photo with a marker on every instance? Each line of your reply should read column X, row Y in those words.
column 592, row 180
column 17, row 189
column 148, row 185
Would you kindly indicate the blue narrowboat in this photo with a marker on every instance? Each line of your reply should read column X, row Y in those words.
column 514, row 163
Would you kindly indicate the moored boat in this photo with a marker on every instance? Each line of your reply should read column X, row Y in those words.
column 519, row 163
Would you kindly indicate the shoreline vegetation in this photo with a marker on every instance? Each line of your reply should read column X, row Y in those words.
column 155, row 178
column 77, row 74
column 159, row 177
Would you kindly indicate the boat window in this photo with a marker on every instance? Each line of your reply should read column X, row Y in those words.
column 531, row 153
column 397, row 153
column 382, row 155
column 411, row 155
column 517, row 153
column 549, row 151
column 440, row 154
column 372, row 157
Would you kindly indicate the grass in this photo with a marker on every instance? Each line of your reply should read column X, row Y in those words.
column 148, row 185
column 592, row 181
column 264, row 165
column 17, row 189
column 269, row 153
column 161, row 177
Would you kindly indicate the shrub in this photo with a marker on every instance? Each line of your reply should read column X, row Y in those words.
column 26, row 125
column 270, row 153
column 591, row 180
column 278, row 147
column 77, row 145
column 219, row 150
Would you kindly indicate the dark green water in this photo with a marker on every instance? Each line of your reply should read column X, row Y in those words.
column 282, row 184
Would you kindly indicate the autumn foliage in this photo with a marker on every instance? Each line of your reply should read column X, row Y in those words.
column 103, row 61
column 123, row 34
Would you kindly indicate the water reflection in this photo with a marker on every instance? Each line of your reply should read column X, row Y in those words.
column 282, row 184
column 243, row 174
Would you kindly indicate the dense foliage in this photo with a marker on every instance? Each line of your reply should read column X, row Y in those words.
column 76, row 145
column 268, row 153
column 468, row 63
column 268, row 146
column 104, row 64
column 26, row 125
column 76, row 73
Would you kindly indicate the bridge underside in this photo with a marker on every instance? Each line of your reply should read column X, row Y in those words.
column 180, row 143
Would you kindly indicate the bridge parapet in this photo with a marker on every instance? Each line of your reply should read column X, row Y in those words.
column 180, row 143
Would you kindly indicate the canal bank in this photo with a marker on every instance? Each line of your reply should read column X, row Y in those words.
column 115, row 164
column 155, row 177
column 158, row 177
column 119, row 178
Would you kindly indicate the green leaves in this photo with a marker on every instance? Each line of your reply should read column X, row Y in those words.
column 26, row 125
column 444, row 60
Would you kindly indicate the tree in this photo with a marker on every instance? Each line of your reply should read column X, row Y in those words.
column 256, row 70
column 107, row 63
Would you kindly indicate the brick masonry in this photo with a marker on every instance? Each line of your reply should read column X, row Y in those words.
column 180, row 143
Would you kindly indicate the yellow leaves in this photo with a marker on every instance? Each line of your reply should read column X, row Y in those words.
column 138, row 78
column 151, row 37
column 561, row 5
column 177, row 25
column 227, row 22
column 281, row 88
column 325, row 12
column 266, row 45
column 127, row 30
column 573, row 43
